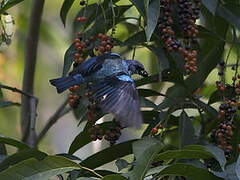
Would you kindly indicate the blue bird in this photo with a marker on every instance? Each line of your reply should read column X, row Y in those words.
column 113, row 88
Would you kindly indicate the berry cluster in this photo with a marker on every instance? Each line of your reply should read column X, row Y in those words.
column 106, row 44
column 74, row 98
column 112, row 134
column 188, row 13
column 222, row 135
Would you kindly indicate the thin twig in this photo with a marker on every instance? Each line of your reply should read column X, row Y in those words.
column 61, row 111
column 27, row 117
column 92, row 171
column 16, row 90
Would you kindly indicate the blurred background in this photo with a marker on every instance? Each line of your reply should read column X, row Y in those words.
column 54, row 41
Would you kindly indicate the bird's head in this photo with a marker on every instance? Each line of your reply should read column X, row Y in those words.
column 135, row 67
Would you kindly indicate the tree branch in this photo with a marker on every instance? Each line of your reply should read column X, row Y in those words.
column 61, row 111
column 28, row 117
column 16, row 90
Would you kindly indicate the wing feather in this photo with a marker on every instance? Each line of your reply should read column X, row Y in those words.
column 114, row 95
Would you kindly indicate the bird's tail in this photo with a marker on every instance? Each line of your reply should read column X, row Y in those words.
column 65, row 82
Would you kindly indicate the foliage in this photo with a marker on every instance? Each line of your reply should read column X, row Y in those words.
column 186, row 134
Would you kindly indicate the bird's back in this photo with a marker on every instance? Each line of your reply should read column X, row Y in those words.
column 109, row 68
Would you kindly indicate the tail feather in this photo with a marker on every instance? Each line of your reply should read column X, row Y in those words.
column 65, row 82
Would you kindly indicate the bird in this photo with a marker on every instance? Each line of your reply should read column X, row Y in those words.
column 113, row 88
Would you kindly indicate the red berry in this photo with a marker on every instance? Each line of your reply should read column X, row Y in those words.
column 154, row 130
column 82, row 19
column 108, row 47
column 71, row 89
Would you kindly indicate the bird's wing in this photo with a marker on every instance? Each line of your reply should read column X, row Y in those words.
column 118, row 95
column 93, row 64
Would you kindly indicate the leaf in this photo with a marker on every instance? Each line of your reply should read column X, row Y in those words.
column 102, row 25
column 13, row 142
column 140, row 6
column 20, row 156
column 114, row 177
column 67, row 4
column 121, row 164
column 207, row 108
column 217, row 95
column 136, row 39
column 144, row 151
column 211, row 5
column 68, row 59
column 144, row 102
column 218, row 155
column 8, row 4
column 32, row 169
column 186, row 130
column 162, row 59
column 148, row 92
column 153, row 12
column 4, row 104
column 80, row 140
column 189, row 171
column 183, row 154
column 230, row 12
column 109, row 154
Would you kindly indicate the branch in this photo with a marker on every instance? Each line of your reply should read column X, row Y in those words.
column 16, row 90
column 28, row 117
column 61, row 111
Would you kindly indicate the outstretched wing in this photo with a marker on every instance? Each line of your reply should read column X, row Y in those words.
column 118, row 95
column 93, row 64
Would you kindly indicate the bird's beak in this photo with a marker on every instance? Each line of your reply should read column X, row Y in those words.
column 143, row 73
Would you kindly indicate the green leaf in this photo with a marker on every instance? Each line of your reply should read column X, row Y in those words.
column 218, row 155
column 80, row 140
column 186, row 130
column 144, row 102
column 67, row 4
column 136, row 39
column 101, row 25
column 109, row 154
column 183, row 154
column 13, row 142
column 32, row 169
column 140, row 7
column 230, row 12
column 8, row 4
column 153, row 12
column 148, row 92
column 114, row 177
column 20, row 156
column 68, row 59
column 211, row 5
column 144, row 150
column 189, row 171
column 217, row 95
column 162, row 59
column 4, row 104
column 207, row 108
